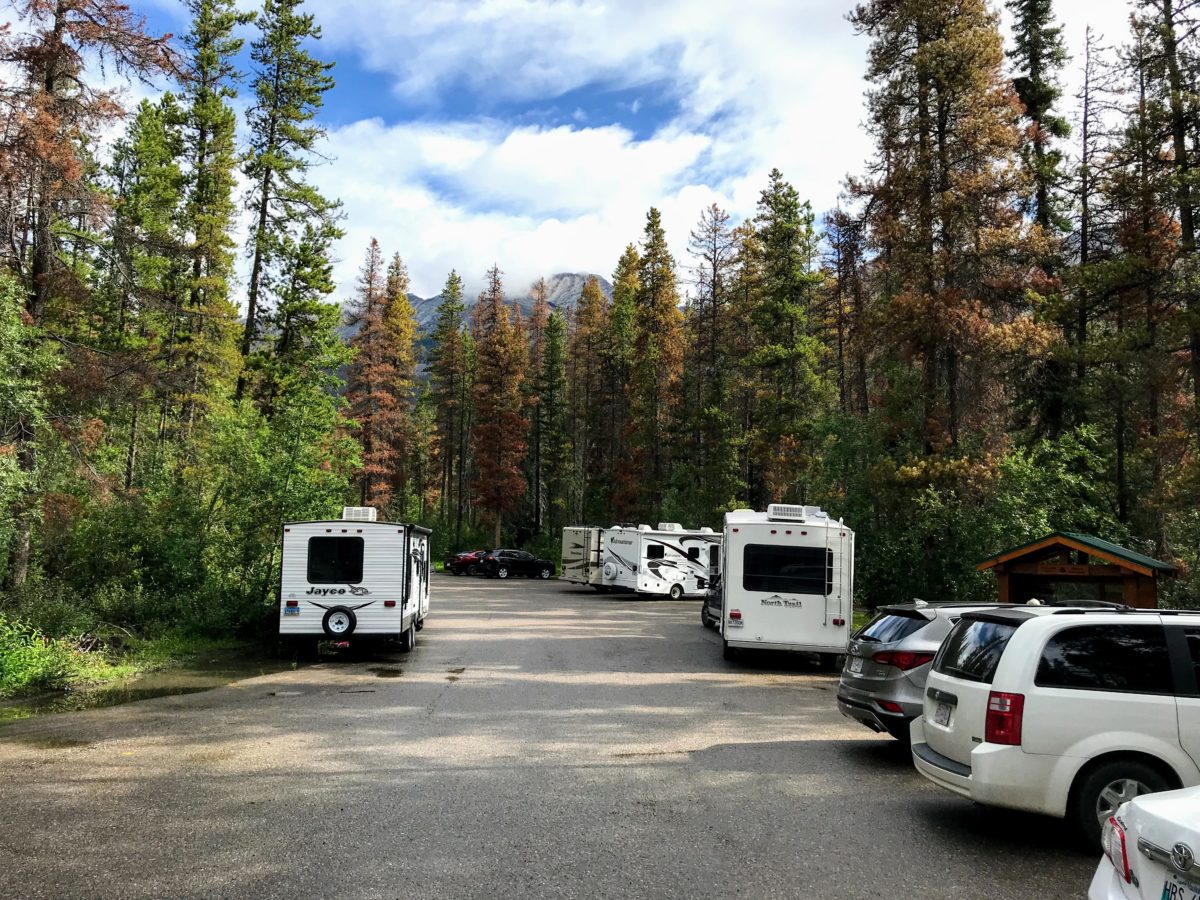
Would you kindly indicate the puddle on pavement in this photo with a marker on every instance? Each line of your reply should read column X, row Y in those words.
column 386, row 671
column 189, row 679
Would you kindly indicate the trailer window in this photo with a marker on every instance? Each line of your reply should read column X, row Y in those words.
column 714, row 559
column 694, row 553
column 794, row 570
column 655, row 551
column 335, row 560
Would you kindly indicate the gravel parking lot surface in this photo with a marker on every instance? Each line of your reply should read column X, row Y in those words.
column 541, row 741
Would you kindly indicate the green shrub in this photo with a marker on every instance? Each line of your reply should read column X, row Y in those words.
column 31, row 662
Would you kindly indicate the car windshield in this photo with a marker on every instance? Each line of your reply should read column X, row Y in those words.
column 889, row 627
column 973, row 649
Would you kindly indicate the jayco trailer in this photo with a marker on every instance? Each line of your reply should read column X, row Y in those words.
column 353, row 578
column 581, row 549
column 788, row 581
column 666, row 560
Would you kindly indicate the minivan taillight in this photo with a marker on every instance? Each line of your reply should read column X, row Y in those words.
column 1003, row 723
column 902, row 659
column 1112, row 839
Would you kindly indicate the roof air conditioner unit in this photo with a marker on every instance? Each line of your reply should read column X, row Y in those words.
column 643, row 528
column 358, row 513
column 669, row 526
column 704, row 529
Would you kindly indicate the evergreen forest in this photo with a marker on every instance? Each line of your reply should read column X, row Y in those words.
column 995, row 334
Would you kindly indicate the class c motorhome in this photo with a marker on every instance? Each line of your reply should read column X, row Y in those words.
column 788, row 582
column 582, row 546
column 666, row 560
column 353, row 578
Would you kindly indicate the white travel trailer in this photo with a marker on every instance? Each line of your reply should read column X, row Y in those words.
column 353, row 578
column 665, row 560
column 581, row 549
column 788, row 582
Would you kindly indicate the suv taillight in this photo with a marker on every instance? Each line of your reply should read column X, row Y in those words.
column 1112, row 839
column 1003, row 723
column 902, row 659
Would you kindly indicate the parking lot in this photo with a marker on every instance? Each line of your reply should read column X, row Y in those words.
column 541, row 740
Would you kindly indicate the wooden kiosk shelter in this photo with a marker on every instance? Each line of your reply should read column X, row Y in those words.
column 1065, row 566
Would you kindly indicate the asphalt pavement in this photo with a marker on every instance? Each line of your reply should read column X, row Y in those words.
column 542, row 740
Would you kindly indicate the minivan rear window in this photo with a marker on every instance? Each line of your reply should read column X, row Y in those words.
column 973, row 649
column 887, row 628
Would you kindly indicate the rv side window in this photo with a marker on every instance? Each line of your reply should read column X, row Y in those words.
column 655, row 551
column 694, row 553
column 335, row 560
column 793, row 570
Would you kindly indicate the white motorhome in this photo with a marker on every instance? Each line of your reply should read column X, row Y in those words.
column 581, row 549
column 353, row 578
column 664, row 560
column 788, row 582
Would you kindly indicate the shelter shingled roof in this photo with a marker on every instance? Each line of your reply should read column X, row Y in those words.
column 1093, row 546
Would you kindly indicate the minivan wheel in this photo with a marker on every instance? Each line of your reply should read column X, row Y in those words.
column 676, row 592
column 1105, row 788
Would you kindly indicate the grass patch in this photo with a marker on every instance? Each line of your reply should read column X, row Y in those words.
column 32, row 663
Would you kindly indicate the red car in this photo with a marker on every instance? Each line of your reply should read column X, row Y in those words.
column 465, row 562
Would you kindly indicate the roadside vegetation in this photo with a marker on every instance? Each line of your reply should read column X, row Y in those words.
column 994, row 334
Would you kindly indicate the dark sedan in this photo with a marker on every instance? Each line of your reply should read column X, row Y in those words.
column 510, row 563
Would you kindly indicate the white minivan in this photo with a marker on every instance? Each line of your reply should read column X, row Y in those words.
column 1068, row 712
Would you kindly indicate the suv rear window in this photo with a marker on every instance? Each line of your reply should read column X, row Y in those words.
column 973, row 649
column 887, row 628
column 1129, row 658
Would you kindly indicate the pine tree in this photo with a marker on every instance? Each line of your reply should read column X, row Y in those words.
column 400, row 325
column 206, row 338
column 618, row 355
column 658, row 358
column 538, row 321
column 371, row 386
column 589, row 390
column 498, row 436
column 787, row 358
column 555, row 459
column 449, row 393
column 289, row 88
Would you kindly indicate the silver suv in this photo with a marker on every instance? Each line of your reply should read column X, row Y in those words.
column 887, row 662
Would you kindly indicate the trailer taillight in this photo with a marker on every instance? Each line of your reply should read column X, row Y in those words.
column 735, row 614
column 389, row 603
column 293, row 603
column 838, row 623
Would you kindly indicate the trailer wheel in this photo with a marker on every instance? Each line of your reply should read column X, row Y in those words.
column 339, row 622
column 676, row 591
column 408, row 639
column 727, row 652
column 829, row 661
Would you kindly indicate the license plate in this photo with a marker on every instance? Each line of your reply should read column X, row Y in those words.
column 856, row 664
column 291, row 610
column 941, row 714
column 734, row 623
column 1174, row 889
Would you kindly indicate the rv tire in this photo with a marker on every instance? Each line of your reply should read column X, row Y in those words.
column 676, row 592
column 338, row 614
column 728, row 652
column 420, row 624
column 829, row 661
column 408, row 639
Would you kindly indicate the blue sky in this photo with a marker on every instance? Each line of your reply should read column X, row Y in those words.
column 536, row 133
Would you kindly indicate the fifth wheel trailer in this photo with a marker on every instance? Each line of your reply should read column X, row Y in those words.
column 788, row 582
column 581, row 549
column 667, row 560
column 353, row 578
